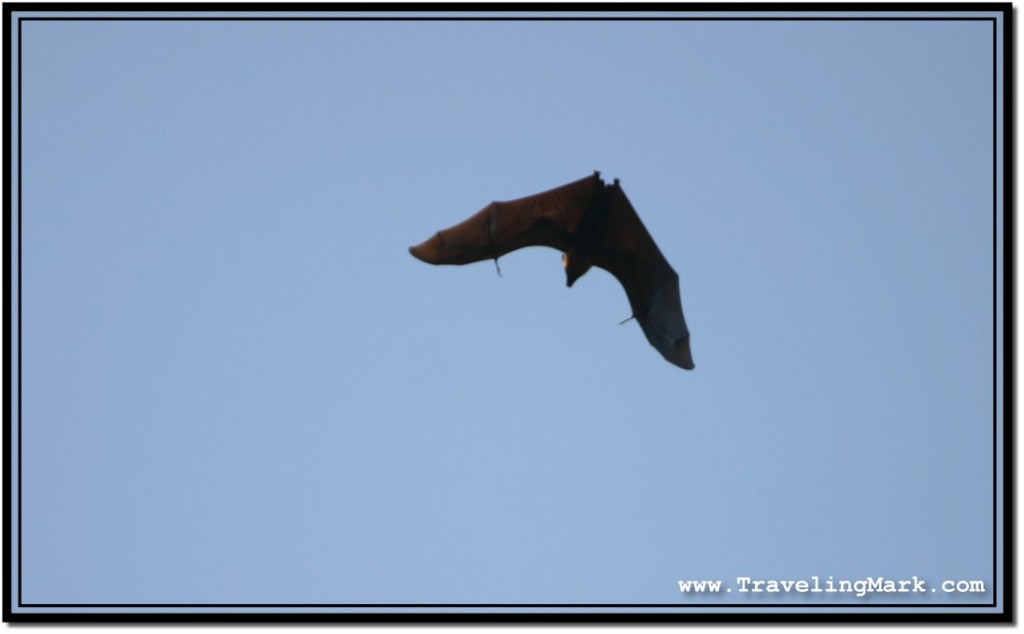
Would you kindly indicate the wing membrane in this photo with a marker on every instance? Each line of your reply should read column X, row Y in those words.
column 630, row 254
column 544, row 219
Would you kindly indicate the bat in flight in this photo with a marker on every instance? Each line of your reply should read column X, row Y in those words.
column 593, row 224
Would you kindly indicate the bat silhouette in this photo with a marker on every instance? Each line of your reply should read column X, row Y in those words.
column 593, row 224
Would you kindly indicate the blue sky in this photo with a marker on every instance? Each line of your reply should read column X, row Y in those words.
column 239, row 387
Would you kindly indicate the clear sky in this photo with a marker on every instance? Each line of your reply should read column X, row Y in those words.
column 238, row 386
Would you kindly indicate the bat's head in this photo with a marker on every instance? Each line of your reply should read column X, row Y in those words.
column 575, row 266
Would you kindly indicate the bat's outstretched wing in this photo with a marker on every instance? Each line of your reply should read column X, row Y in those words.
column 592, row 223
column 628, row 251
column 544, row 219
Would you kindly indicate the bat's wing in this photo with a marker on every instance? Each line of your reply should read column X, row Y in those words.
column 543, row 219
column 630, row 254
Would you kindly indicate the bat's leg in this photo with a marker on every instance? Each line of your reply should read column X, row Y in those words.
column 490, row 237
column 627, row 319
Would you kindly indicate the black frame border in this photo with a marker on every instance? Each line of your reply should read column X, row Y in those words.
column 708, row 613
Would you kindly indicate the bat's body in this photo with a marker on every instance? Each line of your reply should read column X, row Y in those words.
column 593, row 224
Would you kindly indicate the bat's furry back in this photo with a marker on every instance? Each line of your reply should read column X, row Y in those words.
column 593, row 224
